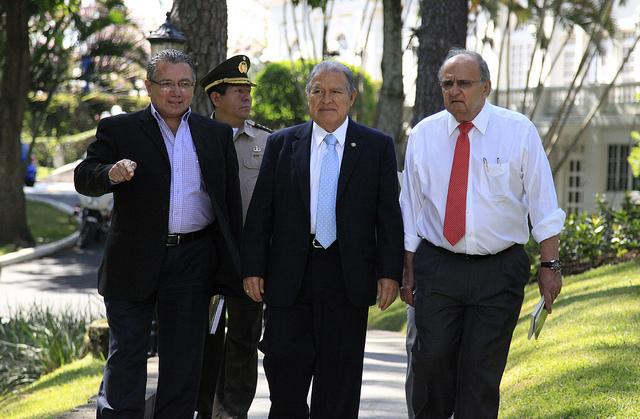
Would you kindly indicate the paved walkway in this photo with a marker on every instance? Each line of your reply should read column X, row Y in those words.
column 385, row 363
column 382, row 381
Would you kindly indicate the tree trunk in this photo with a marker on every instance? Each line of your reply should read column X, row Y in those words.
column 391, row 101
column 444, row 25
column 13, row 93
column 204, row 23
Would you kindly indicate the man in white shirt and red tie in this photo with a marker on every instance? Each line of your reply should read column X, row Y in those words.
column 474, row 175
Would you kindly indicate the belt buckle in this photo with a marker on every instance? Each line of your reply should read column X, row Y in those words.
column 316, row 244
column 172, row 240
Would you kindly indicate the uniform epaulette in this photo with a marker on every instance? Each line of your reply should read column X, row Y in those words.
column 259, row 126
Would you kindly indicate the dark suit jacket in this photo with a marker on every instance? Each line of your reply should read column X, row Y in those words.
column 135, row 245
column 369, row 222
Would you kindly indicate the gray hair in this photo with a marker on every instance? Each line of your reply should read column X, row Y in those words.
column 172, row 56
column 334, row 66
column 482, row 64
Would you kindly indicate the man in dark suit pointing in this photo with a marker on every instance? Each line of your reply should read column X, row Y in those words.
column 176, row 220
column 323, row 237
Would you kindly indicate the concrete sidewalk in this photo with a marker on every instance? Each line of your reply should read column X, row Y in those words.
column 382, row 382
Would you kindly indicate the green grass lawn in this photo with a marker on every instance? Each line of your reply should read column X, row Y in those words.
column 46, row 223
column 55, row 393
column 586, row 362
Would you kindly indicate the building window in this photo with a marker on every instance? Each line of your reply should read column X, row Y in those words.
column 575, row 195
column 619, row 175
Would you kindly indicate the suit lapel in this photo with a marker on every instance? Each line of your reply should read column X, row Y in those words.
column 149, row 126
column 352, row 147
column 301, row 153
column 209, row 168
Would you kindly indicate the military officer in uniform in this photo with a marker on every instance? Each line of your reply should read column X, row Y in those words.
column 230, row 367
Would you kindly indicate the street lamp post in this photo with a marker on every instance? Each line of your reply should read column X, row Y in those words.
column 166, row 36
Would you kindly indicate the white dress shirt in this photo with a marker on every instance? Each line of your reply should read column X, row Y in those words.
column 189, row 206
column 318, row 150
column 509, row 178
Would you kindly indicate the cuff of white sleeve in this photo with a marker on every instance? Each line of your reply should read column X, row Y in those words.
column 411, row 242
column 550, row 226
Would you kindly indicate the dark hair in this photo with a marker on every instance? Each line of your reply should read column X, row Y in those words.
column 218, row 88
column 335, row 67
column 172, row 56
column 482, row 64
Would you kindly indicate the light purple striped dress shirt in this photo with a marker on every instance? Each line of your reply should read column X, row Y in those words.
column 189, row 205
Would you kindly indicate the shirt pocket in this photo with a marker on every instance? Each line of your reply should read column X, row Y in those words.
column 253, row 161
column 496, row 178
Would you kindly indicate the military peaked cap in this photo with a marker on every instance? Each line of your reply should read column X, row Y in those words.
column 232, row 71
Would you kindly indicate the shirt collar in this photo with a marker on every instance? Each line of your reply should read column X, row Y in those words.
column 480, row 122
column 246, row 128
column 318, row 133
column 156, row 114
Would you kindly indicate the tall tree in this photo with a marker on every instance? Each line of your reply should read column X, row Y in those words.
column 13, row 91
column 444, row 25
column 391, row 101
column 204, row 23
column 35, row 56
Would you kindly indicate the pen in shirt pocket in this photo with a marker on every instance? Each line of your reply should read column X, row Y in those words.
column 485, row 163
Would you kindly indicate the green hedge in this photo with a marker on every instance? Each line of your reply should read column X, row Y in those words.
column 590, row 240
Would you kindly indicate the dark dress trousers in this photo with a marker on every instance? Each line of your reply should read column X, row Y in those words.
column 138, row 270
column 317, row 300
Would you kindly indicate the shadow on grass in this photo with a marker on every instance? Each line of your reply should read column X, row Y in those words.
column 596, row 390
column 606, row 270
column 566, row 302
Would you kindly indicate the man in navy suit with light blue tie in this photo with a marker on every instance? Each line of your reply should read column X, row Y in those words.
column 323, row 237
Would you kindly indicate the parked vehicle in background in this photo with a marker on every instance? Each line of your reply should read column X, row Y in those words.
column 95, row 218
column 30, row 173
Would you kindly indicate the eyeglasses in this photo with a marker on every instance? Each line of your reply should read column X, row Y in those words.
column 333, row 94
column 167, row 85
column 462, row 84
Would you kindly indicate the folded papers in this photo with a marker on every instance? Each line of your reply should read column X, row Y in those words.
column 538, row 316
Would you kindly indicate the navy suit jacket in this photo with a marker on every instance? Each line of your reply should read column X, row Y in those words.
column 276, row 237
column 136, row 241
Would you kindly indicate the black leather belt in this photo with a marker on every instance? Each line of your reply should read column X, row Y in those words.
column 181, row 238
column 466, row 256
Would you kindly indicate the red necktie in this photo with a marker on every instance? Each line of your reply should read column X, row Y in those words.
column 455, row 213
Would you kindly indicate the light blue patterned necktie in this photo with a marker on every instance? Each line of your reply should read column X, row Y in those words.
column 327, row 191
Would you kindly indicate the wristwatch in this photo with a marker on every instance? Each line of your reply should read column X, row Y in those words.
column 554, row 264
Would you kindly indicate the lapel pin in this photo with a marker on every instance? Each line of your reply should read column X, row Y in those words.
column 353, row 144
column 256, row 149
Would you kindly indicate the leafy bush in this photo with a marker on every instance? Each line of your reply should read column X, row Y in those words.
column 37, row 341
column 280, row 100
column 590, row 240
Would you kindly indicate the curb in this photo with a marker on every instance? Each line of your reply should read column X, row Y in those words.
column 30, row 253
